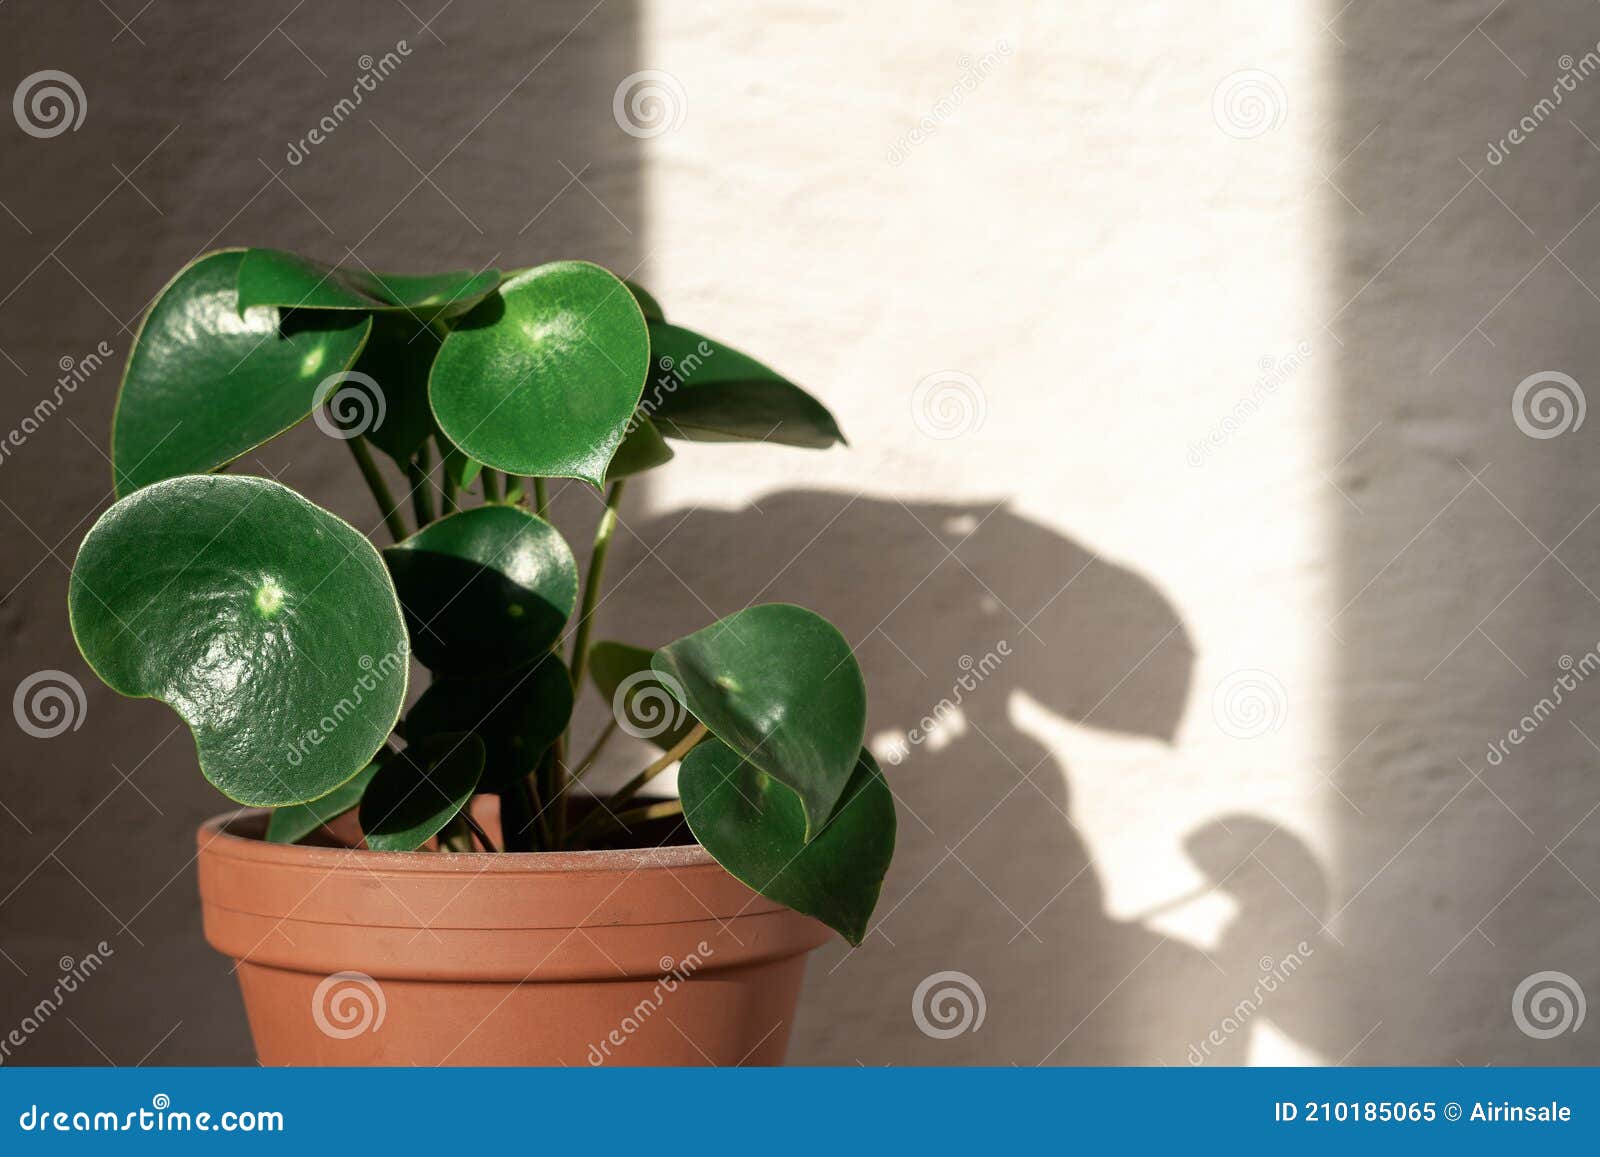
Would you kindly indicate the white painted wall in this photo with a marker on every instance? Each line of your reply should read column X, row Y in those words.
column 1178, row 280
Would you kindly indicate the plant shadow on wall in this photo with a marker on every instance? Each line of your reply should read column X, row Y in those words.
column 980, row 620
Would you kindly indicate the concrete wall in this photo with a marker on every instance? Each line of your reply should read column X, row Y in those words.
column 1180, row 361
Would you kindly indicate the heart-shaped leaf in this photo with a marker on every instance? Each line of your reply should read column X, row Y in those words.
column 756, row 829
column 704, row 391
column 291, row 824
column 267, row 623
column 485, row 590
column 517, row 716
column 642, row 449
column 289, row 281
column 779, row 685
column 542, row 378
column 205, row 383
column 640, row 703
column 393, row 368
column 419, row 790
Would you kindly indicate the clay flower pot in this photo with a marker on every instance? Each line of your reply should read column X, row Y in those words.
column 636, row 957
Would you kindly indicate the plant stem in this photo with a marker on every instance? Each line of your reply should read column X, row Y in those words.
column 379, row 488
column 601, row 816
column 456, row 836
column 591, row 583
column 582, row 769
column 491, row 485
column 477, row 830
column 645, row 813
column 513, row 489
column 417, row 471
column 448, row 500
column 541, row 500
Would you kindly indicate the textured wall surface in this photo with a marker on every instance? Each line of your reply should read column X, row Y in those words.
column 1213, row 519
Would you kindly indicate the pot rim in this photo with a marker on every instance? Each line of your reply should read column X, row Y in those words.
column 220, row 836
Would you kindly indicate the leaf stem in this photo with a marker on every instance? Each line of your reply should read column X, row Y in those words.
column 379, row 488
column 591, row 583
column 600, row 816
column 491, row 485
column 541, row 499
column 448, row 498
column 483, row 836
column 417, row 471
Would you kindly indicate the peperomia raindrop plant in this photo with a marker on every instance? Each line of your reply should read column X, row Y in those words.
column 283, row 637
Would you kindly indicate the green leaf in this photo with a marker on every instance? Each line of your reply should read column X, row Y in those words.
column 420, row 790
column 289, row 281
column 205, row 383
column 517, row 716
column 756, row 829
column 463, row 471
column 779, row 685
column 542, row 378
column 485, row 590
column 648, row 305
column 397, row 358
column 640, row 702
column 642, row 449
column 703, row 391
column 291, row 824
column 267, row 623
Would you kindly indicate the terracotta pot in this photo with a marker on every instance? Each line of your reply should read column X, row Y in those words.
column 636, row 957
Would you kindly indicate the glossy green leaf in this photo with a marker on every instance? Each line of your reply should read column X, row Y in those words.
column 642, row 449
column 779, row 685
column 289, row 281
column 640, row 703
column 291, row 824
column 517, row 715
column 485, row 590
column 419, row 790
column 205, row 383
column 267, row 623
column 463, row 470
column 756, row 829
column 542, row 378
column 397, row 359
column 648, row 305
column 704, row 391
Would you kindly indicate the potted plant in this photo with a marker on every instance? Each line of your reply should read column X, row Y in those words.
column 427, row 886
